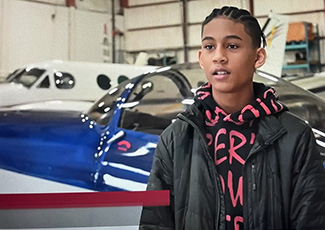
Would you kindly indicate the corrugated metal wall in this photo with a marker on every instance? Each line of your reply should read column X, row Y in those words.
column 156, row 26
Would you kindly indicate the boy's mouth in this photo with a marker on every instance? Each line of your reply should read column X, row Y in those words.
column 220, row 72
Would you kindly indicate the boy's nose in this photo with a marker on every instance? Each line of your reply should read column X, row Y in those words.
column 219, row 56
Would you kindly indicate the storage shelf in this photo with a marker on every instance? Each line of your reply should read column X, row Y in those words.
column 295, row 66
column 296, row 46
column 306, row 46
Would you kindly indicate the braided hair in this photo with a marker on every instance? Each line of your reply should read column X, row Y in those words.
column 250, row 23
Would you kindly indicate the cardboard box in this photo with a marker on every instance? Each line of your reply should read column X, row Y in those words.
column 297, row 32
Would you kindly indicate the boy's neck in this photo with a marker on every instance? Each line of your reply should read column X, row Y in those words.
column 232, row 103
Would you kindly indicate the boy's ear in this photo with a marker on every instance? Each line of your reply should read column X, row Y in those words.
column 260, row 57
column 200, row 59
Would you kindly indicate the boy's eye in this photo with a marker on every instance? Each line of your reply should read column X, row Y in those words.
column 232, row 46
column 208, row 47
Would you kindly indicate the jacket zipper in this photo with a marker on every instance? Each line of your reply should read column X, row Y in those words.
column 254, row 187
column 260, row 147
column 253, row 177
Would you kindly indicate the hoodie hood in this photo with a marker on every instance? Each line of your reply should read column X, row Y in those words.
column 266, row 103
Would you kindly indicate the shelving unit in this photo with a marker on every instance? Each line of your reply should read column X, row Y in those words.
column 307, row 46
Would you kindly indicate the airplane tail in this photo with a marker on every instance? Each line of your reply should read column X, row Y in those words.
column 275, row 30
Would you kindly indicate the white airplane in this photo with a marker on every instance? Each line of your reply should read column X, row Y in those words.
column 314, row 83
column 48, row 84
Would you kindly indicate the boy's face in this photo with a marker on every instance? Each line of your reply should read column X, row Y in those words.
column 227, row 56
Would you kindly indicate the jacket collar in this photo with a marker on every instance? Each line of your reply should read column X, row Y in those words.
column 269, row 127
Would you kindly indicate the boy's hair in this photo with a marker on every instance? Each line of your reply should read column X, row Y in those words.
column 250, row 23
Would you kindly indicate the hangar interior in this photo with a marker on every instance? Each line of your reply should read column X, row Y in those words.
column 109, row 145
column 158, row 32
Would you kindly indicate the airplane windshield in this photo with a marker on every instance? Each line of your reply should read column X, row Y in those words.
column 27, row 77
column 101, row 111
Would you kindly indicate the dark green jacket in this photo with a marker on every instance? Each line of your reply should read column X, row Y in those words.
column 283, row 178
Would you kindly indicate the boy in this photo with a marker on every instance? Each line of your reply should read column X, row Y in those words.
column 237, row 159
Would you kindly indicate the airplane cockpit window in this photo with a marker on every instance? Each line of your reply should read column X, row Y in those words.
column 102, row 110
column 12, row 75
column 45, row 83
column 103, row 81
column 152, row 105
column 64, row 80
column 27, row 77
column 122, row 78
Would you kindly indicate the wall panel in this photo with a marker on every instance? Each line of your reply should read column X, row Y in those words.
column 263, row 7
column 77, row 33
column 193, row 55
column 89, row 35
column 153, row 16
column 3, row 41
column 53, row 2
column 198, row 10
column 33, row 31
column 36, row 32
column 147, row 26
column 194, row 35
column 155, row 39
column 95, row 5
column 133, row 3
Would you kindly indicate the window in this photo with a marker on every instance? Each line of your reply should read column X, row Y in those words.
column 152, row 105
column 102, row 111
column 27, row 77
column 122, row 78
column 103, row 82
column 45, row 83
column 12, row 75
column 64, row 80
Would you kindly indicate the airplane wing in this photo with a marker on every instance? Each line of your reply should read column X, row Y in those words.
column 275, row 30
